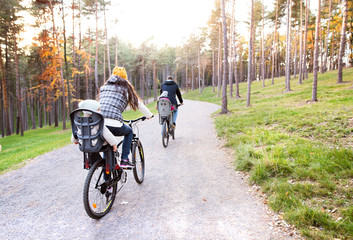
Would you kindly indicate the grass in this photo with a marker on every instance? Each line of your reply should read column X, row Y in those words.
column 15, row 150
column 300, row 152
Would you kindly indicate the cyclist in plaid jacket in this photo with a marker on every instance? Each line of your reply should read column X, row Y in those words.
column 115, row 95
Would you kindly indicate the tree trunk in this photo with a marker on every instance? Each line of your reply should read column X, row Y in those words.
column 192, row 78
column 301, row 44
column 186, row 72
column 343, row 41
column 19, row 116
column 316, row 52
column 154, row 81
column 88, row 70
column 213, row 70
column 250, row 54
column 305, row 68
column 231, row 49
column 263, row 45
column 96, row 58
column 219, row 60
column 237, row 96
column 295, row 56
column 107, row 44
column 199, row 66
column 225, row 60
column 65, row 59
column 288, row 47
column 5, row 96
column 274, row 46
column 74, row 63
column 324, row 67
column 142, row 86
column 61, row 69
column 32, row 105
column 116, row 51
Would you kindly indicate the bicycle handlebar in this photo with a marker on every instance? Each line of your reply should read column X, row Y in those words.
column 143, row 118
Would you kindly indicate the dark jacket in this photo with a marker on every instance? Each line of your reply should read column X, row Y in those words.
column 173, row 90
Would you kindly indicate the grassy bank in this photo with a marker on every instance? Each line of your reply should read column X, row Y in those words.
column 15, row 150
column 300, row 152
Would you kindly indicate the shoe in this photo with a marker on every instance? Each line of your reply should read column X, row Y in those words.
column 174, row 125
column 125, row 163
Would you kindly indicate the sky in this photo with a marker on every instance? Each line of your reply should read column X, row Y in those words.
column 168, row 22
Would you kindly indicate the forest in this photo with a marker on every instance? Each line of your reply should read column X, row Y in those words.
column 41, row 83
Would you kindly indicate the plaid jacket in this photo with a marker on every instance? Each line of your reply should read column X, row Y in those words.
column 113, row 99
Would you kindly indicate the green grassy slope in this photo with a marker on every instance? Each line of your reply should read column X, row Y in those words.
column 300, row 152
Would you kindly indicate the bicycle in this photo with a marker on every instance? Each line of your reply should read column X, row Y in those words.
column 105, row 174
column 165, row 119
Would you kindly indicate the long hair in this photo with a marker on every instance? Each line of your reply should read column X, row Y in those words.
column 132, row 97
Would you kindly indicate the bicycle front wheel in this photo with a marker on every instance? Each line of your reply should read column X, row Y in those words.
column 165, row 134
column 99, row 190
column 138, row 158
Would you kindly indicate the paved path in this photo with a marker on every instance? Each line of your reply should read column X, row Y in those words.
column 190, row 192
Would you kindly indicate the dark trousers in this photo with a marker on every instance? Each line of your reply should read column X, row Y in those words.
column 125, row 131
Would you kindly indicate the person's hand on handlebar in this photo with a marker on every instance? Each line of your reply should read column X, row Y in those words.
column 115, row 148
column 181, row 104
column 150, row 117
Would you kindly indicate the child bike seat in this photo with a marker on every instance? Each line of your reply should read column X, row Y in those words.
column 87, row 127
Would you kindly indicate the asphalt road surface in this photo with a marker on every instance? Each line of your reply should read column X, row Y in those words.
column 191, row 191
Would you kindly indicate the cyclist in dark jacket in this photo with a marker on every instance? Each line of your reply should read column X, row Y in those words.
column 173, row 91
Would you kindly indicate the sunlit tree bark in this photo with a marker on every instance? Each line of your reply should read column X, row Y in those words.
column 263, row 46
column 305, row 68
column 96, row 58
column 301, row 44
column 288, row 44
column 225, row 60
column 219, row 60
column 65, row 59
column 316, row 52
column 343, row 41
column 107, row 42
column 274, row 53
column 324, row 68
column 250, row 54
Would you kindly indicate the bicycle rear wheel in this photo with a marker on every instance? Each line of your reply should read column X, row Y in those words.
column 165, row 134
column 99, row 190
column 138, row 158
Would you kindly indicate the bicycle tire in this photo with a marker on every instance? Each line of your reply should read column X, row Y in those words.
column 165, row 134
column 138, row 159
column 97, row 199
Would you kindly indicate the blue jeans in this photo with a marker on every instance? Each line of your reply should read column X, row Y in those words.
column 125, row 131
column 175, row 114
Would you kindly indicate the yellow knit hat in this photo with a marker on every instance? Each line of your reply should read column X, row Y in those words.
column 120, row 71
